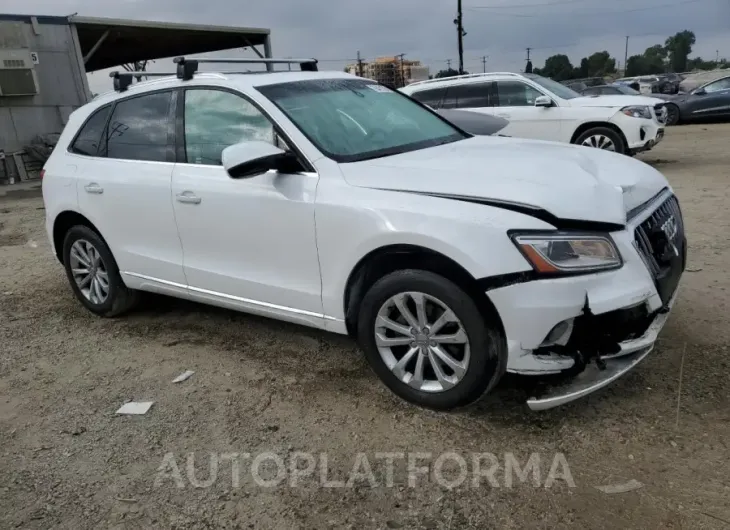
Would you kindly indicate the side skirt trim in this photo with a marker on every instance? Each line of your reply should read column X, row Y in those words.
column 235, row 298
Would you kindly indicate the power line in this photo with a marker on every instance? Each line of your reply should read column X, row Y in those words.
column 561, row 2
column 593, row 13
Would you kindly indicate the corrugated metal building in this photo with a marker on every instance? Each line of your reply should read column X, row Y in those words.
column 44, row 61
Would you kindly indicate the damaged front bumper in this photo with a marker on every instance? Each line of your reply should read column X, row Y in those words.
column 592, row 329
column 605, row 369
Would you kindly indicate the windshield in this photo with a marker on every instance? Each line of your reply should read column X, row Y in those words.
column 627, row 90
column 556, row 88
column 355, row 119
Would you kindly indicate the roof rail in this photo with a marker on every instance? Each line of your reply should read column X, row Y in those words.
column 187, row 67
column 464, row 76
column 122, row 80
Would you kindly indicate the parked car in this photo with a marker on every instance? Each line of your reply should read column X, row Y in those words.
column 474, row 122
column 711, row 100
column 650, row 85
column 610, row 90
column 543, row 109
column 331, row 201
column 624, row 90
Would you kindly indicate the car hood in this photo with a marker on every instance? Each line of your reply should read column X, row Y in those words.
column 570, row 182
column 613, row 101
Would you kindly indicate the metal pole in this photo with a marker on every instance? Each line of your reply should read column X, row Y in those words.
column 402, row 70
column 267, row 52
column 359, row 64
column 626, row 56
column 460, row 32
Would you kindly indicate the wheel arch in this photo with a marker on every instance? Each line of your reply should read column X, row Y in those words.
column 583, row 127
column 390, row 258
column 63, row 223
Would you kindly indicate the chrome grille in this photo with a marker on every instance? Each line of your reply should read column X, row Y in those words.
column 644, row 238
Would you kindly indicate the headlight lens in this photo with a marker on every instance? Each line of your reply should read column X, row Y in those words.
column 568, row 253
column 637, row 111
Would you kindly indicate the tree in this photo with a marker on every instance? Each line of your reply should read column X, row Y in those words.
column 679, row 47
column 635, row 65
column 447, row 73
column 598, row 65
column 655, row 59
column 557, row 67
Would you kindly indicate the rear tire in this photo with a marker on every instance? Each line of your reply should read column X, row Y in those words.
column 93, row 273
column 603, row 138
column 460, row 360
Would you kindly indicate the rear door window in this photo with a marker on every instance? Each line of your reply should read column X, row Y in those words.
column 141, row 129
column 431, row 97
column 467, row 96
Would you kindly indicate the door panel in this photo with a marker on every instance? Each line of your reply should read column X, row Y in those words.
column 251, row 241
column 125, row 188
column 516, row 103
column 250, row 238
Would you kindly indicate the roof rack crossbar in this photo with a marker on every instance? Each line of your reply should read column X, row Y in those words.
column 187, row 67
column 122, row 80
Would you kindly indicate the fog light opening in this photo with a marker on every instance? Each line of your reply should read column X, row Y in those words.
column 559, row 334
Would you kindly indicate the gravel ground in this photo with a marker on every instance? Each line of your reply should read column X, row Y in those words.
column 67, row 461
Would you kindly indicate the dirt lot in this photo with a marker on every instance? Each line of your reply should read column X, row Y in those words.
column 67, row 461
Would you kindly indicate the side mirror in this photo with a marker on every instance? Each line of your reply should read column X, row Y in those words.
column 248, row 159
column 543, row 101
column 700, row 92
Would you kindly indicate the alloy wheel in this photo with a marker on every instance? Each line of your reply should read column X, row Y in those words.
column 600, row 141
column 89, row 271
column 422, row 341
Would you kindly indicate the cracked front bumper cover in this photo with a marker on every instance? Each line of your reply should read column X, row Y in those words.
column 593, row 378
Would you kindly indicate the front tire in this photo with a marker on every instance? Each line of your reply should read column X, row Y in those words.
column 672, row 114
column 93, row 273
column 603, row 138
column 428, row 341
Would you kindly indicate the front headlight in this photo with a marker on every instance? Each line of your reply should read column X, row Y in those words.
column 637, row 111
column 568, row 253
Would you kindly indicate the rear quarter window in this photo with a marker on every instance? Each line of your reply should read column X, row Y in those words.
column 88, row 139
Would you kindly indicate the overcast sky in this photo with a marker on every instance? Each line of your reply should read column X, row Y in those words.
column 334, row 30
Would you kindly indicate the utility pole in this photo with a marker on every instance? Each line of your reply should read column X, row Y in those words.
column 484, row 64
column 460, row 33
column 448, row 64
column 402, row 70
column 626, row 56
column 528, row 66
column 359, row 64
column 717, row 58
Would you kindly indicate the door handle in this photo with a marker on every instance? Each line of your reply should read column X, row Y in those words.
column 94, row 188
column 188, row 197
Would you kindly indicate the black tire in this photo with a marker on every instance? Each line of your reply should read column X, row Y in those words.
column 616, row 138
column 120, row 298
column 673, row 116
column 488, row 351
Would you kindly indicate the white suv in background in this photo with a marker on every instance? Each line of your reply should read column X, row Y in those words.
column 543, row 109
column 331, row 201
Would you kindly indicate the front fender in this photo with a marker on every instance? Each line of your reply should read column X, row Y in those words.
column 472, row 235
